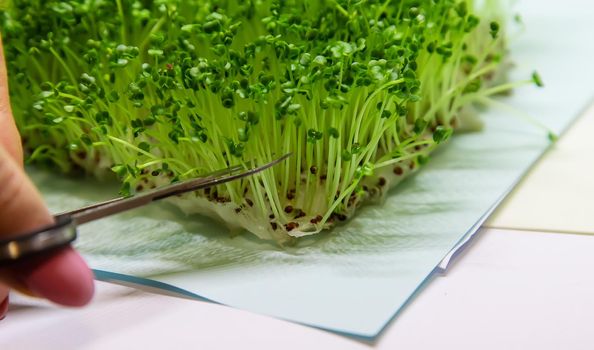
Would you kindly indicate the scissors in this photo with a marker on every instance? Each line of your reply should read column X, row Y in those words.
column 63, row 231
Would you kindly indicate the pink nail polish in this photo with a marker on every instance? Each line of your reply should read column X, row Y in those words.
column 3, row 308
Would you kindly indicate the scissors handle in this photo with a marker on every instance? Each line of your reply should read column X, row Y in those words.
column 60, row 234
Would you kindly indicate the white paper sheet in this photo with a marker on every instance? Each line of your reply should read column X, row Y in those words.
column 355, row 279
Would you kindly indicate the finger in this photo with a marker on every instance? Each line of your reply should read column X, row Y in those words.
column 9, row 137
column 3, row 301
column 21, row 206
column 62, row 277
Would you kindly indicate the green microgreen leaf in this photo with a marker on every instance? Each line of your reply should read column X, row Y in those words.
column 442, row 134
column 333, row 132
column 419, row 126
column 494, row 29
column 537, row 80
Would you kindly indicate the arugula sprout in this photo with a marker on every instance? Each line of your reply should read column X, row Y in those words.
column 155, row 91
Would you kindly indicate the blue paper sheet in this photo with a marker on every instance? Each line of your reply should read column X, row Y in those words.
column 355, row 279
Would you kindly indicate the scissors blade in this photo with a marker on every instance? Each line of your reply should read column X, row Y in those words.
column 204, row 177
column 118, row 205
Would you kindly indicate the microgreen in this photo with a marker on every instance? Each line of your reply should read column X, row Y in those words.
column 537, row 80
column 154, row 91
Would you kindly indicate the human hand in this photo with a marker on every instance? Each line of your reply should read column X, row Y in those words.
column 61, row 276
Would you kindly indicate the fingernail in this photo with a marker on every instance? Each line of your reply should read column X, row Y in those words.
column 3, row 308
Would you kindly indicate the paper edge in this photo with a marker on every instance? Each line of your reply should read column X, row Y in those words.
column 458, row 249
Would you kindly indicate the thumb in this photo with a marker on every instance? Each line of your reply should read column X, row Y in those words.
column 21, row 206
column 61, row 276
column 9, row 137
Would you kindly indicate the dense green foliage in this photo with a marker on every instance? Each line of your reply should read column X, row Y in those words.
column 157, row 90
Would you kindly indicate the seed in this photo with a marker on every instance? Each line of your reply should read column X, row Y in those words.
column 237, row 210
column 382, row 182
column 288, row 209
column 398, row 170
column 291, row 226
column 313, row 169
column 249, row 202
column 316, row 219
column 300, row 214
column 271, row 216
column 274, row 225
